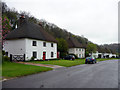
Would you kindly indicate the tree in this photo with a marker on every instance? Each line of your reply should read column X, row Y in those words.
column 91, row 48
column 62, row 47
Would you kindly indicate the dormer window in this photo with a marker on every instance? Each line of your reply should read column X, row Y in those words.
column 44, row 44
column 34, row 43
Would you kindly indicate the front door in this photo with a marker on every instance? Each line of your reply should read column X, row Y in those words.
column 44, row 55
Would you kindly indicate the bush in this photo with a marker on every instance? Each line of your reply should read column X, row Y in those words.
column 76, row 57
column 32, row 59
column 62, row 54
column 5, row 59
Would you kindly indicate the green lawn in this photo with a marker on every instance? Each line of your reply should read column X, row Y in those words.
column 15, row 69
column 66, row 63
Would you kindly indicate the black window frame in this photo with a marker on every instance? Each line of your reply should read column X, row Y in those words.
column 52, row 54
column 52, row 45
column 34, row 43
column 44, row 44
column 34, row 54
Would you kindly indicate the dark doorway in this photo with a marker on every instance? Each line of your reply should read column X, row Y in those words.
column 107, row 56
column 99, row 55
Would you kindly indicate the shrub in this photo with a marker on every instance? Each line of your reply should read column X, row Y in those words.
column 62, row 54
column 32, row 59
column 5, row 59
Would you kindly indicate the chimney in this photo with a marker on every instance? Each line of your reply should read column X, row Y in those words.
column 21, row 20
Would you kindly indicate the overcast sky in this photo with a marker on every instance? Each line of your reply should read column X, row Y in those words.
column 96, row 20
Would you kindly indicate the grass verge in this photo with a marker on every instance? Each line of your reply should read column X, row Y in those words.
column 104, row 59
column 11, row 69
column 67, row 63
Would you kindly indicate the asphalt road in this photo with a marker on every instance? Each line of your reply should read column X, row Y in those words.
column 101, row 75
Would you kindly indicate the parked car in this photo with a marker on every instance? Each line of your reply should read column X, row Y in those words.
column 90, row 60
column 69, row 57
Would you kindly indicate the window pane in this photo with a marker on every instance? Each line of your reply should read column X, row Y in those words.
column 51, row 44
column 44, row 44
column 51, row 54
column 35, row 54
column 34, row 43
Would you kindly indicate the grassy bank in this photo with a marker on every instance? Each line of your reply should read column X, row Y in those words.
column 15, row 69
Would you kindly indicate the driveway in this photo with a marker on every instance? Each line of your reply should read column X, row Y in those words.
column 104, row 74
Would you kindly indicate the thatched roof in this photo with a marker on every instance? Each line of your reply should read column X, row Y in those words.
column 30, row 30
column 73, row 43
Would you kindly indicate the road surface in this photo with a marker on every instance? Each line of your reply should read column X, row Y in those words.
column 104, row 74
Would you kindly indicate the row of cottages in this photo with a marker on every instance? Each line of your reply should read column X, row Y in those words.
column 103, row 55
column 31, row 40
column 75, row 48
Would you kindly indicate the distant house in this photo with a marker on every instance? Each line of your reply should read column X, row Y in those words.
column 97, row 55
column 31, row 40
column 75, row 48
column 103, row 55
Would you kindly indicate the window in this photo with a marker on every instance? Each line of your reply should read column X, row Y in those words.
column 79, row 55
column 34, row 43
column 83, row 50
column 6, row 53
column 51, row 44
column 44, row 44
column 51, row 54
column 35, row 54
column 79, row 49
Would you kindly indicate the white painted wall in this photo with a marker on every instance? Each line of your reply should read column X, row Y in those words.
column 80, row 52
column 24, row 46
column 15, row 47
column 40, row 49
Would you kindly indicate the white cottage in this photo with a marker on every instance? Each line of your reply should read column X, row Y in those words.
column 31, row 40
column 75, row 48
column 103, row 55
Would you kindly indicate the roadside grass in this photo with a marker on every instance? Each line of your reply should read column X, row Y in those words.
column 67, row 63
column 104, row 59
column 11, row 69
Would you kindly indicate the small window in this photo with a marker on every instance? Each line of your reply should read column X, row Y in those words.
column 51, row 44
column 6, row 53
column 35, row 54
column 44, row 44
column 51, row 54
column 80, row 55
column 34, row 43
